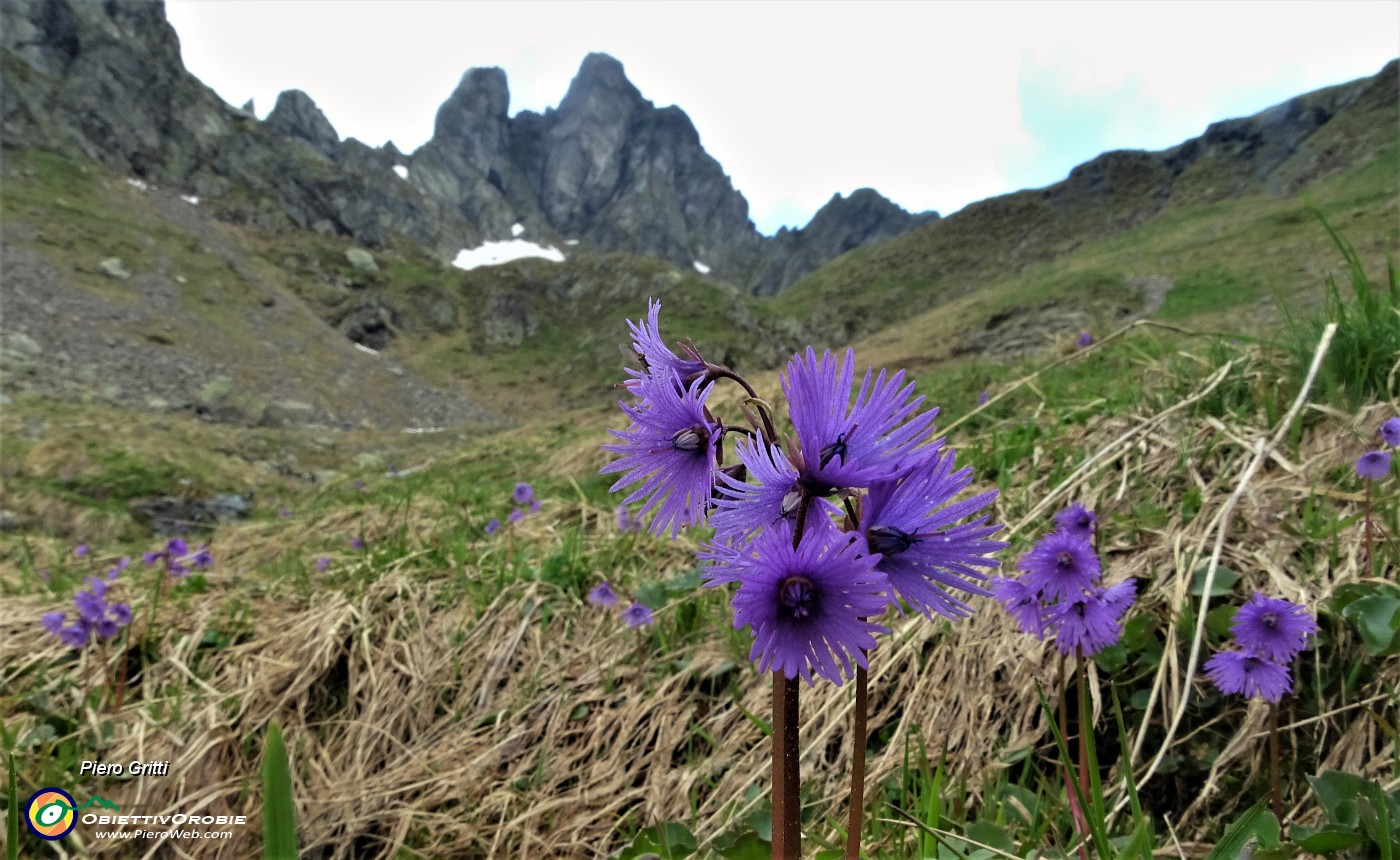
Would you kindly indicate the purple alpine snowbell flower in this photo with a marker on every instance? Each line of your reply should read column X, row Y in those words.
column 53, row 621
column 1078, row 521
column 1090, row 622
column 515, row 516
column 636, row 615
column 1085, row 339
column 657, row 360
column 81, row 550
column 911, row 525
column 492, row 526
column 1373, row 465
column 602, row 594
column 670, row 450
column 77, row 634
column 625, row 521
column 1060, row 565
column 1272, row 628
column 1022, row 603
column 1248, row 675
column 1390, row 432
column 983, row 397
column 743, row 508
column 845, row 444
column 322, row 564
column 523, row 494
column 809, row 607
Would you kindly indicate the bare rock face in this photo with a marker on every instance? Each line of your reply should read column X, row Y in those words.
column 295, row 115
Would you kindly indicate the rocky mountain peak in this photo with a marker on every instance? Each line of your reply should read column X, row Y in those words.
column 296, row 115
column 601, row 84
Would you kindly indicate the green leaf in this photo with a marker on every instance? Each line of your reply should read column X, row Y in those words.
column 990, row 834
column 1139, row 845
column 1377, row 618
column 1222, row 585
column 1332, row 838
column 748, row 847
column 279, row 813
column 1219, row 619
column 1247, row 827
column 1337, row 792
column 670, row 840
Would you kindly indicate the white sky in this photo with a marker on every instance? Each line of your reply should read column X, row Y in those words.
column 934, row 104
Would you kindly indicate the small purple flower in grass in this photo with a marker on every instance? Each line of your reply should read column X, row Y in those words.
column 602, row 595
column 322, row 563
column 535, row 505
column 1272, row 628
column 493, row 526
column 523, row 494
column 1060, row 565
column 1022, row 603
column 912, row 525
column 515, row 516
column 76, row 635
column 1088, row 623
column 177, row 548
column 1248, row 675
column 81, row 550
column 1085, row 339
column 983, row 397
column 1078, row 521
column 52, row 621
column 669, row 450
column 1373, row 465
column 121, row 613
column 636, row 615
column 359, row 485
column 90, row 606
column 625, row 521
column 202, row 559
column 852, row 444
column 357, row 543
column 809, row 608
column 1390, row 432
column 284, row 512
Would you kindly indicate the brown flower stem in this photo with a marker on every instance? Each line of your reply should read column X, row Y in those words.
column 770, row 435
column 641, row 666
column 779, row 770
column 791, row 775
column 853, row 829
column 1277, row 791
column 106, row 678
column 1368, row 528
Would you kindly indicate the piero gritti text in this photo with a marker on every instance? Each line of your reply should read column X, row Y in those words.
column 132, row 768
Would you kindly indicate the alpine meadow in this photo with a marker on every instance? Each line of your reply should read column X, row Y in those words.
column 514, row 497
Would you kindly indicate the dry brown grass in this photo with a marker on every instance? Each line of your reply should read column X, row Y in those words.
column 416, row 720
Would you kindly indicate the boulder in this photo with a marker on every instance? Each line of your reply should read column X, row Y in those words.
column 288, row 413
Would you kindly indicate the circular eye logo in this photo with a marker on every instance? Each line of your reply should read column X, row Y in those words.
column 50, row 813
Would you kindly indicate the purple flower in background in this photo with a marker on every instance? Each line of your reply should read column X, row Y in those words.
column 284, row 512
column 1248, row 675
column 523, row 494
column 1022, row 603
column 90, row 606
column 1078, row 521
column 322, row 563
column 81, row 550
column 1272, row 628
column 535, row 505
column 203, row 558
column 1373, row 465
column 1085, row 339
column 809, row 607
column 852, row 444
column 983, row 397
column 1060, row 565
column 52, row 621
column 492, row 526
column 1390, row 432
column 1088, row 623
column 515, row 516
column 357, row 543
column 625, row 521
column 359, row 485
column 911, row 524
column 176, row 548
column 602, row 595
column 76, row 635
column 669, row 450
column 657, row 360
column 120, row 612
column 636, row 615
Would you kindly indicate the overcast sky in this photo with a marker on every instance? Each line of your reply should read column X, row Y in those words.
column 936, row 105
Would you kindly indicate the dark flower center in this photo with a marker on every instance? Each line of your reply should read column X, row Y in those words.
column 888, row 540
column 691, row 439
column 798, row 595
column 834, row 450
column 1065, row 560
column 1269, row 620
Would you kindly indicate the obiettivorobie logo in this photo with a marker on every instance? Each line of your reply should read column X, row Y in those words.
column 51, row 813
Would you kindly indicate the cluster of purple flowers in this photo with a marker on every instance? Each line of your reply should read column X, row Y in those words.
column 626, row 520
column 1061, row 593
column 1375, row 465
column 96, row 615
column 635, row 615
column 178, row 559
column 821, row 534
column 1270, row 633
column 523, row 497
